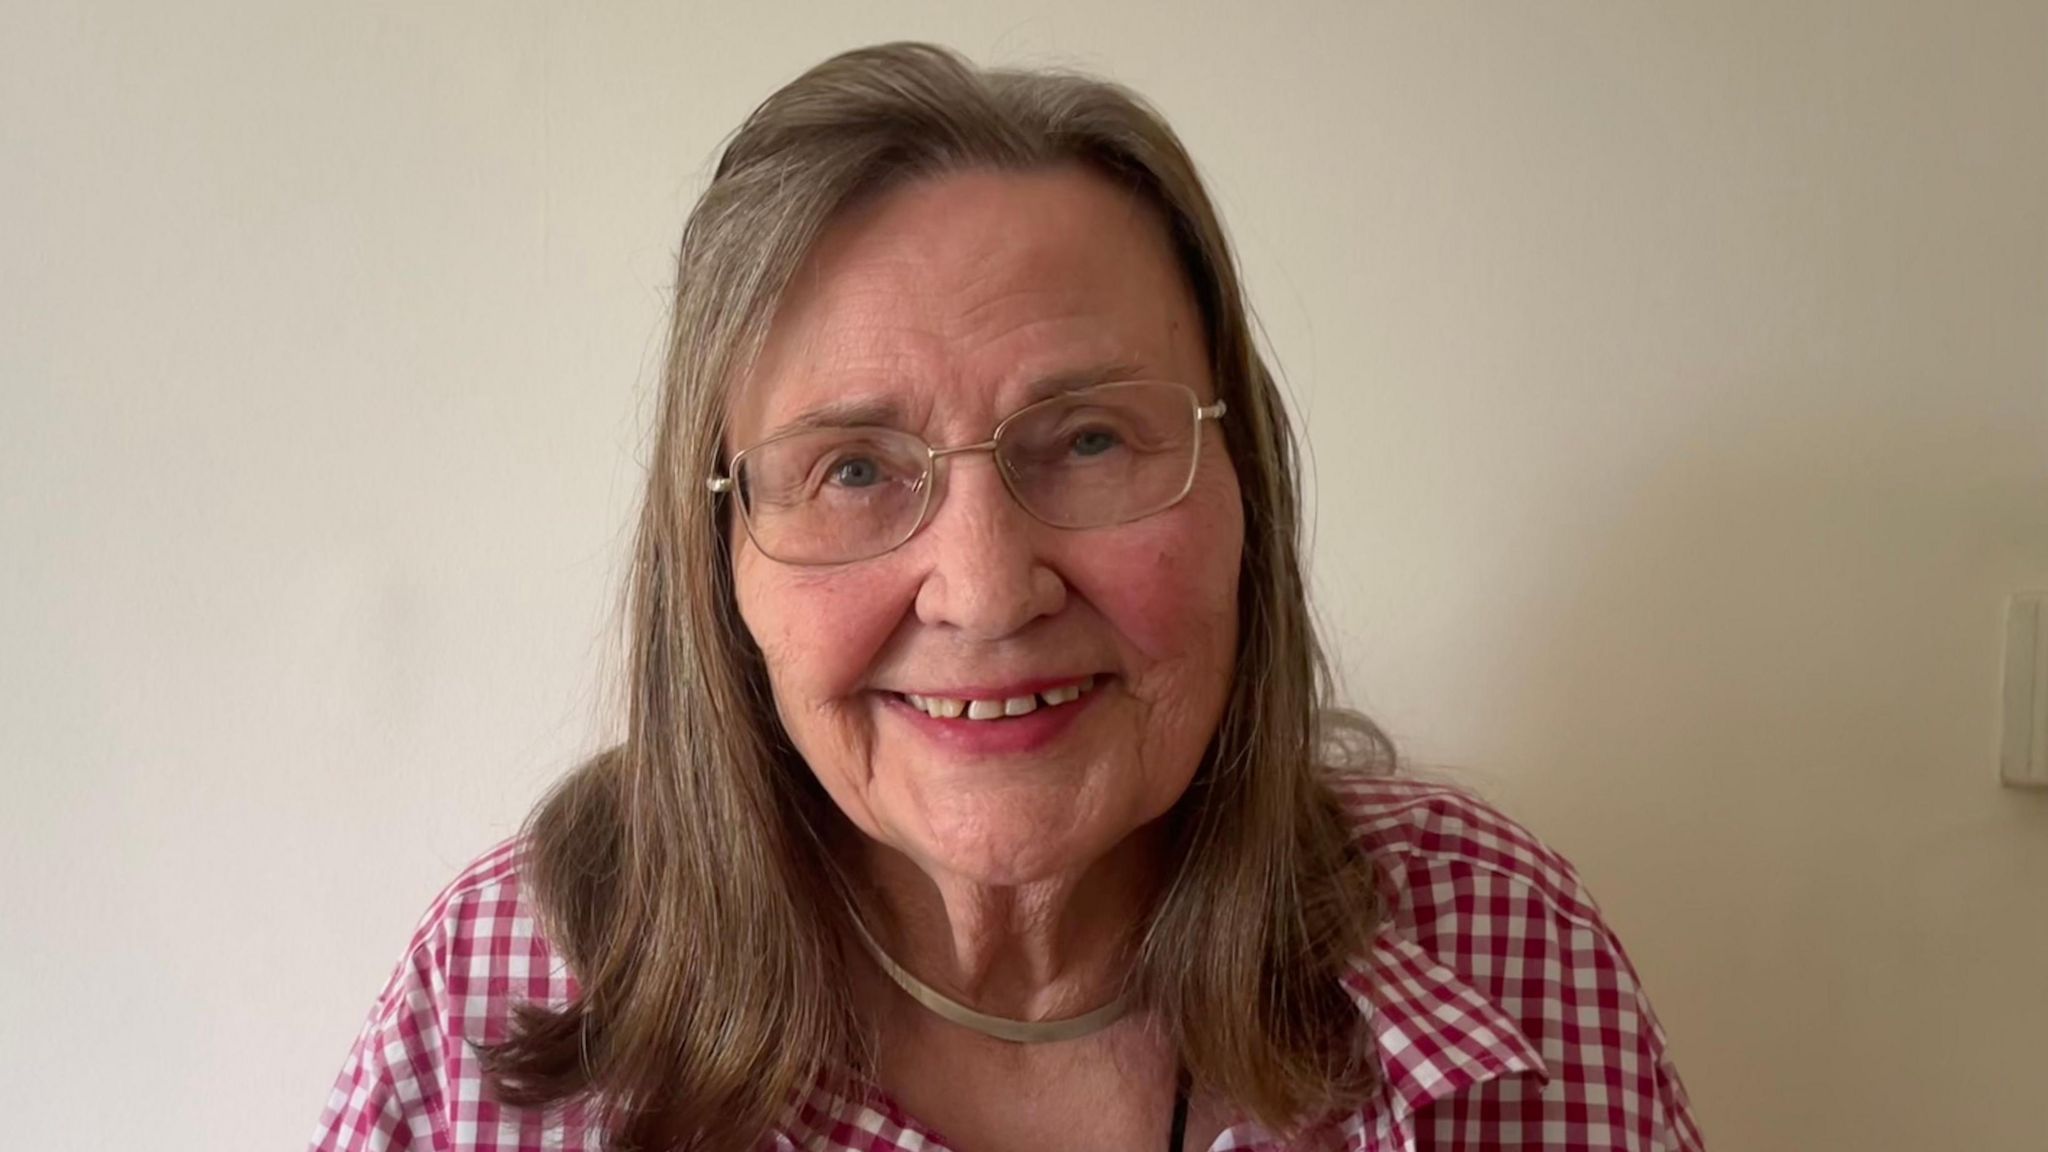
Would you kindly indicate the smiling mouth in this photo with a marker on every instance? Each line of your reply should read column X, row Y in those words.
column 957, row 708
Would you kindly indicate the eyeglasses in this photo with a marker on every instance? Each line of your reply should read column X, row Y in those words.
column 1090, row 458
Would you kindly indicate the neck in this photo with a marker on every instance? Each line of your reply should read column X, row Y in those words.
column 1046, row 948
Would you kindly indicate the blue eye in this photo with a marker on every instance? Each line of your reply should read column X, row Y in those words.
column 856, row 472
column 1093, row 442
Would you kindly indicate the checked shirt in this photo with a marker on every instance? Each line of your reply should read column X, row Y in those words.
column 1505, row 1013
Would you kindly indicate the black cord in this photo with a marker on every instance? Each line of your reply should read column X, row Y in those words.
column 1179, row 1133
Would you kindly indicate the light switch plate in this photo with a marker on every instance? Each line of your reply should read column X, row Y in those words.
column 2023, row 751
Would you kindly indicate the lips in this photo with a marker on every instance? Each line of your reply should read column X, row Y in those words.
column 991, row 708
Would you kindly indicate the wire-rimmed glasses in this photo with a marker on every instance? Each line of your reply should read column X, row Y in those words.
column 1090, row 458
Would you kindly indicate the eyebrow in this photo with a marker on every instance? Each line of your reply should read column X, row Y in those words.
column 877, row 412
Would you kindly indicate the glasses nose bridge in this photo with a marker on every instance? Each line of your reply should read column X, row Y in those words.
column 989, row 445
column 992, row 446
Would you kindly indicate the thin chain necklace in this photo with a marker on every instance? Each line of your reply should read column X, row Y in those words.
column 1000, row 1027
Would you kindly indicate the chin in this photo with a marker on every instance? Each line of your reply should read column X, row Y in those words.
column 1005, row 839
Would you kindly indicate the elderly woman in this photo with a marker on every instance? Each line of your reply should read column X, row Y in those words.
column 979, row 790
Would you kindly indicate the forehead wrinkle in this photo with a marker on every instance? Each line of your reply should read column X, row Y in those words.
column 869, row 316
column 833, row 374
column 888, row 411
column 834, row 314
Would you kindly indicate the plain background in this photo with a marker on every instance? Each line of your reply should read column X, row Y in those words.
column 1676, row 378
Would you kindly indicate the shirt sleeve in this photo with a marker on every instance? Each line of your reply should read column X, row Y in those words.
column 390, row 1093
column 415, row 1079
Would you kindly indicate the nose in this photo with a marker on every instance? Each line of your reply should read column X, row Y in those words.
column 985, row 570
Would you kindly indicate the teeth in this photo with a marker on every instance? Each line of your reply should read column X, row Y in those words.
column 951, row 708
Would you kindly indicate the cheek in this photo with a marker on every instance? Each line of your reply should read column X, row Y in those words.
column 1165, row 602
column 1168, row 585
column 819, row 630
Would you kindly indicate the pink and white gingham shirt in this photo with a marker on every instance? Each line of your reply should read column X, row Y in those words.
column 1506, row 1014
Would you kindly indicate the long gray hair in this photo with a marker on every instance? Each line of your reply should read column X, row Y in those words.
column 683, row 873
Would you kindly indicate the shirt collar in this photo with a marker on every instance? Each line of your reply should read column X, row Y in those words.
column 1436, row 1034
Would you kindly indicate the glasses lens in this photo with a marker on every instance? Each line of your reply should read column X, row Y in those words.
column 1103, row 456
column 833, row 495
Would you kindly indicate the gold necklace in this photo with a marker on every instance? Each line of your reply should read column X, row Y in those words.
column 1000, row 1027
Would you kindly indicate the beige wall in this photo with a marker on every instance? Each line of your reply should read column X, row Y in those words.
column 1676, row 374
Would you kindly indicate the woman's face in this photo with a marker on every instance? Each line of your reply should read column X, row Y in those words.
column 945, row 302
